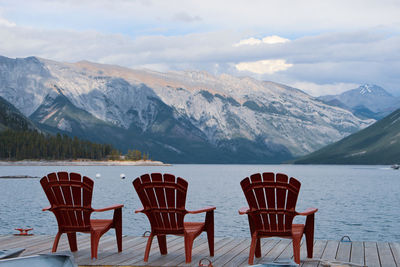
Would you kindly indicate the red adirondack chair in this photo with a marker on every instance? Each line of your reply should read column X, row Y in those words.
column 70, row 197
column 272, row 201
column 163, row 198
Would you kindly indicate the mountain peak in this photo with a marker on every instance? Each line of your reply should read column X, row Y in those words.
column 372, row 89
column 370, row 98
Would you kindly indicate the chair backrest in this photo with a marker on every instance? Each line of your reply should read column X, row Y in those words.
column 163, row 198
column 70, row 196
column 272, row 201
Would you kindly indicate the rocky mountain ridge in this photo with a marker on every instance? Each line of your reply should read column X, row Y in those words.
column 176, row 114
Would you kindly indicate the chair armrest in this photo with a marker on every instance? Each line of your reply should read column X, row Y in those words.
column 210, row 208
column 113, row 207
column 307, row 212
column 139, row 210
column 46, row 208
column 244, row 210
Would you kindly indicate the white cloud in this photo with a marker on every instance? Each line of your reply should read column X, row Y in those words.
column 250, row 41
column 6, row 23
column 264, row 66
column 274, row 39
column 335, row 42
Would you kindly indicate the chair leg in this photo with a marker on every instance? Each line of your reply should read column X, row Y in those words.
column 94, row 238
column 296, row 249
column 55, row 244
column 252, row 249
column 148, row 246
column 162, row 244
column 72, row 241
column 210, row 231
column 258, row 248
column 188, row 247
column 309, row 231
column 118, row 227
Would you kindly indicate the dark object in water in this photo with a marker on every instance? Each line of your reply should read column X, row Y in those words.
column 44, row 260
column 395, row 166
column 17, row 176
column 10, row 253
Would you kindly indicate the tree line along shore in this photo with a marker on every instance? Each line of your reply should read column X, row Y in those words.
column 35, row 146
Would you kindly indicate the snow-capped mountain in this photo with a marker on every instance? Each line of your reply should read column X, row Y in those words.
column 367, row 100
column 176, row 115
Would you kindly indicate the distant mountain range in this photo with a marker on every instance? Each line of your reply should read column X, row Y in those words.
column 178, row 117
column 366, row 101
column 376, row 144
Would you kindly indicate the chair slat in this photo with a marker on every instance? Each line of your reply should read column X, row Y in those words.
column 59, row 199
column 161, row 199
column 180, row 201
column 77, row 196
column 281, row 199
column 252, row 201
column 152, row 200
column 261, row 201
column 291, row 200
column 66, row 191
column 87, row 197
column 271, row 201
column 170, row 194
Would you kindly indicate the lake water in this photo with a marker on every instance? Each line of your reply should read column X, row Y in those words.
column 362, row 202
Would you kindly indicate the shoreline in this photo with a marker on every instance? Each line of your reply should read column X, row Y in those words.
column 83, row 163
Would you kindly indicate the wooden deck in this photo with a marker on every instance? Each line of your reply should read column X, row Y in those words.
column 228, row 251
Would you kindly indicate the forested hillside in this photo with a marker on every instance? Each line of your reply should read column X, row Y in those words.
column 18, row 145
column 21, row 139
column 376, row 144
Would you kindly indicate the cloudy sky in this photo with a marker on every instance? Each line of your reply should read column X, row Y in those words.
column 321, row 47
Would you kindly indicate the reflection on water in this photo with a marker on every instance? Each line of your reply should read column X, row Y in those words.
column 360, row 201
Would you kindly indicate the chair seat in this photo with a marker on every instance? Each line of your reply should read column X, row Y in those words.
column 100, row 225
column 193, row 228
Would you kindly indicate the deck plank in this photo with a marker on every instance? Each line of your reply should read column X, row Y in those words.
column 16, row 241
column 275, row 252
column 228, row 251
column 243, row 258
column 357, row 253
column 287, row 253
column 395, row 248
column 371, row 254
column 343, row 252
column 199, row 252
column 176, row 250
column 330, row 251
column 385, row 255
column 319, row 248
column 136, row 256
column 129, row 246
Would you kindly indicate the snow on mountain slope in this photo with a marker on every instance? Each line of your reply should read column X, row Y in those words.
column 224, row 108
